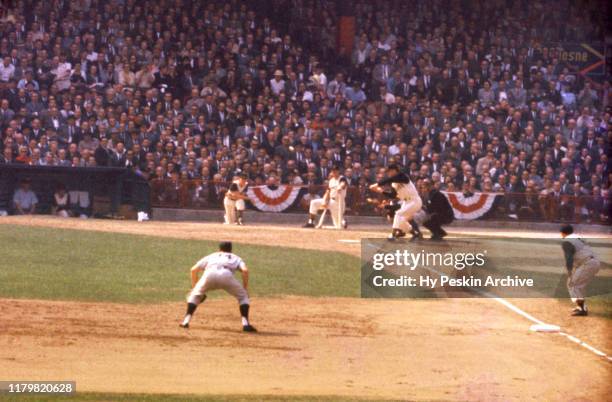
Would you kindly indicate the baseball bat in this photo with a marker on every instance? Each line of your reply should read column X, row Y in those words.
column 321, row 219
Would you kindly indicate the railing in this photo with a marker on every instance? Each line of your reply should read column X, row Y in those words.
column 536, row 207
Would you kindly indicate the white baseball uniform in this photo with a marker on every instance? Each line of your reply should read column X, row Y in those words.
column 410, row 201
column 231, row 205
column 219, row 271
column 337, row 201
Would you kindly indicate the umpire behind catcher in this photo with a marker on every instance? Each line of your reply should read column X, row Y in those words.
column 437, row 211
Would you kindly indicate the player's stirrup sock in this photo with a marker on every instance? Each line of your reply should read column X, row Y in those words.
column 244, row 312
column 191, row 308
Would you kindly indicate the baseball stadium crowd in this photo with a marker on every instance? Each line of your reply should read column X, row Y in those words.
column 470, row 95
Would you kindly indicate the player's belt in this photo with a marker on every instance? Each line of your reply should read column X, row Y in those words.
column 223, row 268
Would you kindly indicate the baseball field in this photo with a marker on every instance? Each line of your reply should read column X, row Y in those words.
column 99, row 301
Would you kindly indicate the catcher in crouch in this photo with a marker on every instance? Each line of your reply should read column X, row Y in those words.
column 334, row 199
column 409, row 201
column 234, row 200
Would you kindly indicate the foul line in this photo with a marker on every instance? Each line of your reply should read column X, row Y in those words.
column 528, row 316
column 531, row 318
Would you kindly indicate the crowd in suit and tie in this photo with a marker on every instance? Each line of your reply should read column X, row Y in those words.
column 216, row 89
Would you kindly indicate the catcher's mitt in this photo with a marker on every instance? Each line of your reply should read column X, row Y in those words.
column 385, row 207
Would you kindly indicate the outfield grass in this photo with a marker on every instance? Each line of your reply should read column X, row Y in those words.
column 91, row 396
column 60, row 264
column 63, row 264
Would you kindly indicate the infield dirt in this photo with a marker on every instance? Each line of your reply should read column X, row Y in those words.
column 408, row 349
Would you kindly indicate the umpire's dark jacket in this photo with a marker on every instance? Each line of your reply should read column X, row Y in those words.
column 439, row 205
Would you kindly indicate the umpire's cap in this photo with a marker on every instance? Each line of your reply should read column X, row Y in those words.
column 567, row 229
column 225, row 246
column 394, row 166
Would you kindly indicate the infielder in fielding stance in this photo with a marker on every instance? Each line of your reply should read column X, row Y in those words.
column 581, row 265
column 334, row 199
column 409, row 199
column 234, row 200
column 218, row 273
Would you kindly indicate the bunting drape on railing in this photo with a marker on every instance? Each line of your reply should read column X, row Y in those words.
column 276, row 199
column 472, row 206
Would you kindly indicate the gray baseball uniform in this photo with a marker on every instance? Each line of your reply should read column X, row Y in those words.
column 581, row 264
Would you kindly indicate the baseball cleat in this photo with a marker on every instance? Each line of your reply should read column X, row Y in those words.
column 396, row 235
column 249, row 328
column 416, row 236
column 309, row 225
column 580, row 313
column 186, row 326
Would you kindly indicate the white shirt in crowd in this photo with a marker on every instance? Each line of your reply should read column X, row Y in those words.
column 6, row 72
column 277, row 85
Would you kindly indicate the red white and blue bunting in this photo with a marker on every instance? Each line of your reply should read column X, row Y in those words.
column 470, row 207
column 267, row 199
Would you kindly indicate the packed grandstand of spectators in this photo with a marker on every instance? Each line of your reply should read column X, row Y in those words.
column 470, row 94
